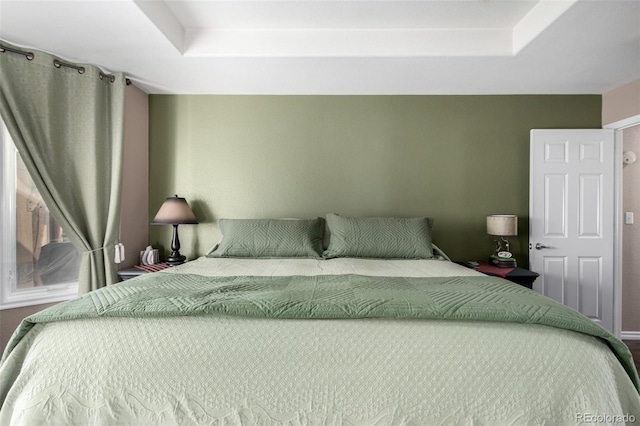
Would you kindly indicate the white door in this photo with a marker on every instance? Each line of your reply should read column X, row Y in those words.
column 571, row 226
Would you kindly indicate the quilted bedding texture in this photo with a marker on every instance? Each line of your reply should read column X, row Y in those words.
column 225, row 370
column 229, row 369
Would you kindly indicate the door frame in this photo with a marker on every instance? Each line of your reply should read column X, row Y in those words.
column 618, row 127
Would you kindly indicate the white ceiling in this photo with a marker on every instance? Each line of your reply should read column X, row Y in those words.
column 342, row 46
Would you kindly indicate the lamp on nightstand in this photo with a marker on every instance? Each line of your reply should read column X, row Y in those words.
column 175, row 211
column 503, row 226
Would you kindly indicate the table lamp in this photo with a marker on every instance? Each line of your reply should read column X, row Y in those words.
column 503, row 226
column 175, row 211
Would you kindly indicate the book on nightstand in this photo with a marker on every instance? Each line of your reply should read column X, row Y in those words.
column 502, row 262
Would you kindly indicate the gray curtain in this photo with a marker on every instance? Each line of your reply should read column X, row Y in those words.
column 68, row 128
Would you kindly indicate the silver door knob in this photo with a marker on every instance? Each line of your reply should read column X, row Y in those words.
column 540, row 246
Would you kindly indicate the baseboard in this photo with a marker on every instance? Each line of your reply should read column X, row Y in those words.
column 630, row 335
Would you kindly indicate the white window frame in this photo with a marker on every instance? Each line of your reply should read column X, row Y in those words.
column 10, row 296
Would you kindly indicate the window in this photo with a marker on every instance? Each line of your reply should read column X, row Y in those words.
column 38, row 263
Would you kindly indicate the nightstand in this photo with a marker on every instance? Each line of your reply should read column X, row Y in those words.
column 136, row 271
column 521, row 276
column 127, row 274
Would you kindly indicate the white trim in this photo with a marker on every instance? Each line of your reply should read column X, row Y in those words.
column 623, row 124
column 39, row 296
column 8, row 230
column 618, row 126
column 617, row 233
column 630, row 335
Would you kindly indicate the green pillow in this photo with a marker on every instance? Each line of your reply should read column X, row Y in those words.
column 269, row 238
column 379, row 237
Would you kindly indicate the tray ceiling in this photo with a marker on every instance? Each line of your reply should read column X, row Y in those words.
column 342, row 46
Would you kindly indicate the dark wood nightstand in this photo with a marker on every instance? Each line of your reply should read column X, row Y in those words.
column 521, row 276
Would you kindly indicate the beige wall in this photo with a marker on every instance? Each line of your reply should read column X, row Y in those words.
column 621, row 103
column 134, row 226
column 631, row 234
column 10, row 319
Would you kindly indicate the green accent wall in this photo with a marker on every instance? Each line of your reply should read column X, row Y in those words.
column 454, row 158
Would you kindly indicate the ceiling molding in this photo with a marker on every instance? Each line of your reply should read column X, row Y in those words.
column 537, row 20
column 357, row 42
column 348, row 43
column 341, row 47
column 165, row 21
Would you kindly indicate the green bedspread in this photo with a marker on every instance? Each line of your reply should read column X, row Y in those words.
column 327, row 297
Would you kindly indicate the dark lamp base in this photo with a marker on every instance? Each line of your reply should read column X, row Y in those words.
column 176, row 259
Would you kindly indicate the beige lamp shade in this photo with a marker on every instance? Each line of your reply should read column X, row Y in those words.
column 502, row 225
column 175, row 211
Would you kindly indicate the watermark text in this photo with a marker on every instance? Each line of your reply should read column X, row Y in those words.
column 605, row 418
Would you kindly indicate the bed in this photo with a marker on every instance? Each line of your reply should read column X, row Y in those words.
column 268, row 339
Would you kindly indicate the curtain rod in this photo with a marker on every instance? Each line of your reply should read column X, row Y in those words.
column 58, row 64
column 28, row 55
